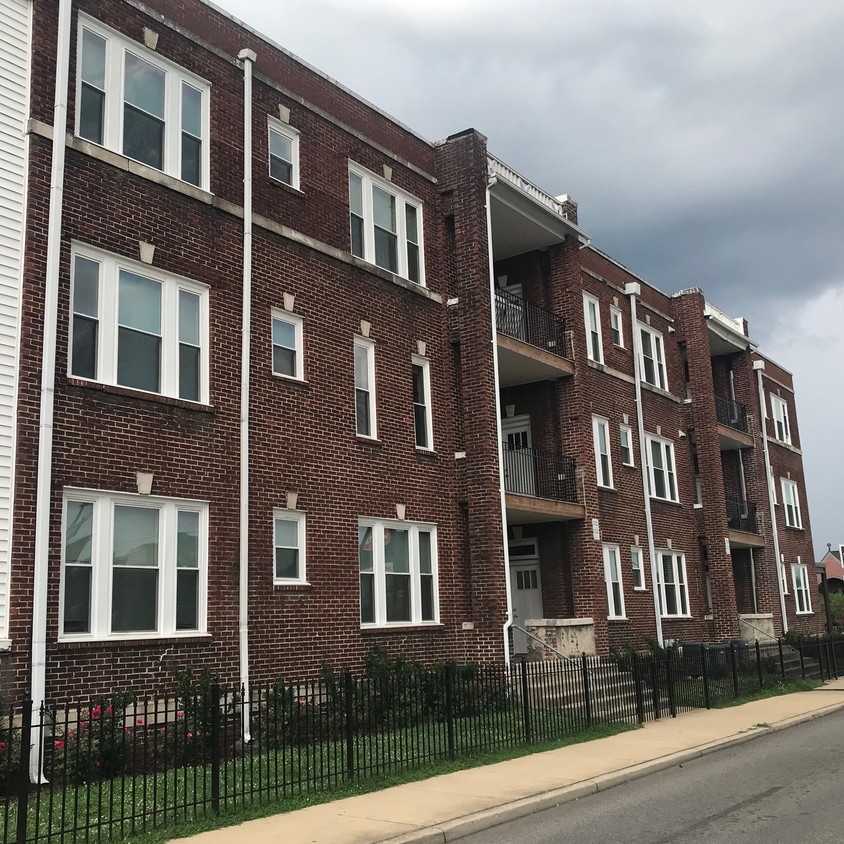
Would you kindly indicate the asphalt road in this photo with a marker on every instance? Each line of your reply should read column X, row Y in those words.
column 781, row 788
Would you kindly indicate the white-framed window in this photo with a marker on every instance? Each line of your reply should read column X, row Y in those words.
column 779, row 410
column 365, row 415
column 698, row 492
column 386, row 225
column 288, row 357
column 625, row 436
column 791, row 502
column 802, row 595
column 783, row 575
column 662, row 479
column 612, row 577
column 422, row 419
column 289, row 557
column 603, row 458
column 672, row 584
column 616, row 327
column 592, row 321
column 131, row 100
column 652, row 360
column 283, row 152
column 398, row 573
column 132, row 566
column 638, row 568
column 134, row 326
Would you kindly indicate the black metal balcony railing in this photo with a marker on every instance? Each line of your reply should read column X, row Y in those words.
column 731, row 413
column 531, row 472
column 741, row 515
column 529, row 323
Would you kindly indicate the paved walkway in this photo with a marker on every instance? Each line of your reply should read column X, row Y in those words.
column 448, row 807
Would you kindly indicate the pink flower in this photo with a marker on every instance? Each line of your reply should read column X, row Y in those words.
column 108, row 709
column 2, row 746
column 139, row 721
column 96, row 712
column 190, row 735
column 180, row 714
column 97, row 763
column 82, row 725
column 125, row 730
column 59, row 745
column 162, row 730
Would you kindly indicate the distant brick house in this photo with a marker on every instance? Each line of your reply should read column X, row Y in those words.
column 833, row 563
column 455, row 428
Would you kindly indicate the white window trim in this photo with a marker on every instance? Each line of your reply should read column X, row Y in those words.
column 660, row 367
column 369, row 179
column 678, row 562
column 636, row 551
column 369, row 345
column 300, row 519
column 791, row 499
column 607, row 550
column 292, row 135
column 379, row 574
column 666, row 446
column 101, row 565
column 425, row 363
column 107, row 334
column 617, row 323
column 800, row 580
column 600, row 423
column 783, row 577
column 298, row 324
column 779, row 414
column 117, row 45
column 588, row 300
column 629, row 431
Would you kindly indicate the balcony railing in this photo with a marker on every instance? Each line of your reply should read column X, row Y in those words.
column 522, row 320
column 531, row 472
column 731, row 413
column 741, row 515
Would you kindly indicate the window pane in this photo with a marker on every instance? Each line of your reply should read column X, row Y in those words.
column 143, row 137
column 420, row 422
column 384, row 209
column 191, row 110
column 191, row 159
column 398, row 597
column 188, row 318
column 412, row 262
column 425, row 565
column 357, row 236
column 91, row 108
column 287, row 533
column 287, row 563
column 427, row 595
column 79, row 519
column 135, row 536
column 188, row 373
column 396, row 551
column 134, row 600
column 84, row 353
column 281, row 146
column 361, row 367
column 187, row 546
column 144, row 85
column 355, row 194
column 418, row 384
column 187, row 599
column 93, row 59
column 364, row 423
column 138, row 360
column 77, row 599
column 365, row 540
column 386, row 250
column 86, row 285
column 140, row 303
column 367, row 599
column 410, row 223
column 284, row 333
column 284, row 361
column 281, row 170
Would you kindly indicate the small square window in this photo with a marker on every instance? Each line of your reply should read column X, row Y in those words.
column 287, row 345
column 617, row 330
column 289, row 547
column 626, row 439
column 637, row 567
column 283, row 153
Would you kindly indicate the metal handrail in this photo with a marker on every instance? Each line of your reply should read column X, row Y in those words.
column 541, row 641
column 731, row 413
column 528, row 471
column 530, row 323
column 741, row 515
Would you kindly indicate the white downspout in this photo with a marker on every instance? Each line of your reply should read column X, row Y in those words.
column 44, row 470
column 247, row 57
column 633, row 289
column 505, row 632
column 759, row 366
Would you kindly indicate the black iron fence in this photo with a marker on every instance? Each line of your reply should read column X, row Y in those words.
column 731, row 413
column 741, row 515
column 531, row 472
column 118, row 767
column 518, row 318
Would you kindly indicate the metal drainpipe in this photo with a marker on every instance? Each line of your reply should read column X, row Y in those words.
column 759, row 366
column 505, row 631
column 633, row 289
column 44, row 470
column 247, row 57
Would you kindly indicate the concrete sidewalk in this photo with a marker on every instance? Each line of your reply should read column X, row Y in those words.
column 448, row 807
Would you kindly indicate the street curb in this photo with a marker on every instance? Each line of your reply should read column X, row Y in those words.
column 487, row 818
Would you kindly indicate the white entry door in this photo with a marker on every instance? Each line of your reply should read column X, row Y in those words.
column 526, row 590
column 519, row 465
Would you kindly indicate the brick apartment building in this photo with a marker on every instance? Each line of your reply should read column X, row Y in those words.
column 448, row 403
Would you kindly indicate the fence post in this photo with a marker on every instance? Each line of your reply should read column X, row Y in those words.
column 802, row 661
column 215, row 748
column 705, row 677
column 587, row 700
column 637, row 682
column 655, row 686
column 759, row 666
column 833, row 659
column 669, row 679
column 820, row 655
column 525, row 703
column 734, row 669
column 782, row 661
column 349, row 718
column 23, row 770
column 449, row 707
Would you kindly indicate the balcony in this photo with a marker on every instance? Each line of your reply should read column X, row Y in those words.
column 742, row 524
column 540, row 487
column 532, row 343
column 732, row 424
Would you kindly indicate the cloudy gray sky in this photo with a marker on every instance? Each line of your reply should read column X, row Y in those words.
column 703, row 141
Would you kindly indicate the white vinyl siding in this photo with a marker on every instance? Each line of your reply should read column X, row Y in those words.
column 14, row 84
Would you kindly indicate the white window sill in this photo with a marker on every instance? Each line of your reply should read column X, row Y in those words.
column 640, row 588
column 677, row 617
column 617, row 618
column 5, row 644
column 604, row 486
column 291, row 378
column 133, row 637
column 279, row 183
column 794, row 527
column 631, row 465
column 698, row 506
column 422, row 450
column 665, row 500
column 291, row 584
column 367, row 439
column 805, row 612
column 133, row 392
column 398, row 626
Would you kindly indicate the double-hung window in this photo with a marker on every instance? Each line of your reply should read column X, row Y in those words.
column 637, row 566
column 398, row 573
column 779, row 409
column 133, row 101
column 133, row 326
column 365, row 388
column 672, row 585
column 612, row 577
column 802, row 596
column 386, row 225
column 592, row 320
column 626, row 441
column 421, row 370
column 616, row 327
column 652, row 359
column 791, row 502
column 603, row 458
column 289, row 547
column 662, row 479
column 283, row 146
column 132, row 566
column 287, row 345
